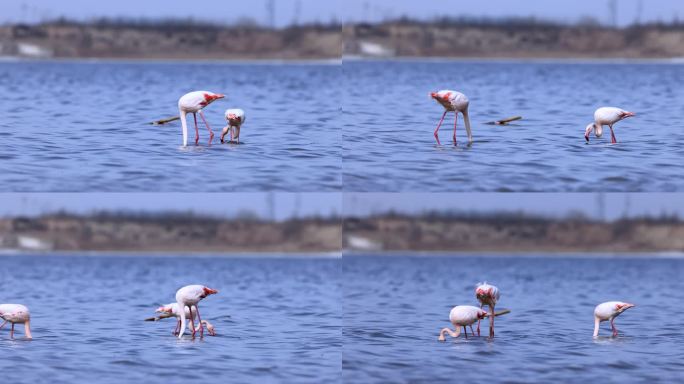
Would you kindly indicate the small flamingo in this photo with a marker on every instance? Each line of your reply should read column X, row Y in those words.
column 609, row 311
column 189, row 296
column 606, row 116
column 462, row 316
column 487, row 295
column 194, row 102
column 16, row 314
column 456, row 102
column 235, row 119
column 171, row 310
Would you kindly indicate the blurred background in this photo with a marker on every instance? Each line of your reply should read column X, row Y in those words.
column 499, row 28
column 214, row 29
column 514, row 222
column 171, row 222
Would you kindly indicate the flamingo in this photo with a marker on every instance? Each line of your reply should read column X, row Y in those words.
column 609, row 311
column 171, row 310
column 235, row 119
column 455, row 102
column 189, row 296
column 462, row 316
column 606, row 116
column 487, row 295
column 16, row 313
column 194, row 102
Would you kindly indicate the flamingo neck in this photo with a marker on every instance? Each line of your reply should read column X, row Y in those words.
column 597, row 322
column 185, row 128
column 27, row 329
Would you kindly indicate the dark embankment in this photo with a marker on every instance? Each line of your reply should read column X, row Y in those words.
column 512, row 38
column 169, row 39
column 511, row 233
column 168, row 233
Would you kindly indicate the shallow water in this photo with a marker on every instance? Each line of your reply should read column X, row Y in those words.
column 389, row 122
column 278, row 320
column 82, row 126
column 394, row 308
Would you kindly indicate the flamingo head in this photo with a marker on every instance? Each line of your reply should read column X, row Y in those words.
column 165, row 309
column 482, row 314
column 587, row 131
column 626, row 114
column 623, row 307
column 211, row 97
column 210, row 327
column 208, row 291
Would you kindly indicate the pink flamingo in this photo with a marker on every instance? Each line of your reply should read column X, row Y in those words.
column 488, row 295
column 16, row 314
column 194, row 102
column 606, row 116
column 608, row 311
column 456, row 102
column 190, row 296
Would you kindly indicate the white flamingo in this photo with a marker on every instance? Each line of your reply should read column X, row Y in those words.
column 16, row 314
column 608, row 311
column 171, row 310
column 194, row 102
column 606, row 116
column 190, row 296
column 462, row 316
column 456, row 102
column 487, row 294
column 235, row 119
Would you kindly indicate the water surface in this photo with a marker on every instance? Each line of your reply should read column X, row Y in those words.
column 389, row 122
column 394, row 308
column 278, row 320
column 82, row 126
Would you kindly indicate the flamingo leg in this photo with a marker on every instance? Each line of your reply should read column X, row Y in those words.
column 196, row 129
column 199, row 320
column 612, row 135
column 178, row 323
column 471, row 330
column 3, row 324
column 478, row 321
column 612, row 326
column 455, row 121
column 12, row 332
column 439, row 125
column 491, row 321
column 465, row 332
column 211, row 134
column 192, row 321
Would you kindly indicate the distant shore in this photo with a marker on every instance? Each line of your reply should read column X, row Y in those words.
column 511, row 38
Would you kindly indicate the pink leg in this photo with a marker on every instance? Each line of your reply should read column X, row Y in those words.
column 491, row 321
column 455, row 120
column 199, row 319
column 12, row 332
column 211, row 133
column 196, row 129
column 478, row 323
column 465, row 332
column 612, row 326
column 437, row 130
column 612, row 135
column 192, row 322
column 471, row 330
column 178, row 324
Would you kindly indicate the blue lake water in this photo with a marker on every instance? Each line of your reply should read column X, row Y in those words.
column 388, row 125
column 278, row 320
column 394, row 308
column 82, row 126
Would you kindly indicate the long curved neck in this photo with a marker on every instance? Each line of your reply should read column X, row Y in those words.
column 596, row 326
column 185, row 128
column 181, row 307
column 27, row 329
column 466, row 118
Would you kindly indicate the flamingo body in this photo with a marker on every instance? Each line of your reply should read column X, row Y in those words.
column 462, row 316
column 606, row 116
column 194, row 102
column 608, row 311
column 235, row 118
column 456, row 102
column 190, row 296
column 16, row 314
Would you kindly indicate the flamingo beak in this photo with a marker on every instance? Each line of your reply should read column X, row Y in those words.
column 210, row 291
column 220, row 96
column 629, row 114
column 433, row 95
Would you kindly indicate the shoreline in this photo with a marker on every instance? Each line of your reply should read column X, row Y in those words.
column 170, row 61
column 521, row 254
column 175, row 254
column 515, row 60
